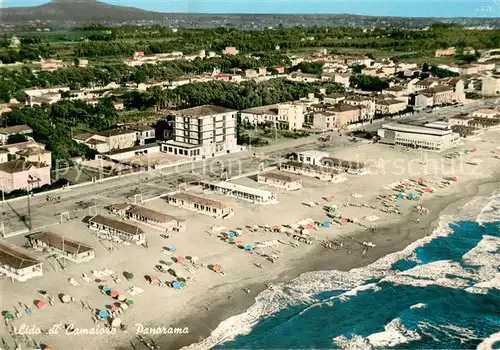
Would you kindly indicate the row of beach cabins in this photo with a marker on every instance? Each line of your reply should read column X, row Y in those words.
column 18, row 264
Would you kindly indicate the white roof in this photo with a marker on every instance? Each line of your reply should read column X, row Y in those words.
column 437, row 125
column 415, row 129
column 314, row 154
column 241, row 188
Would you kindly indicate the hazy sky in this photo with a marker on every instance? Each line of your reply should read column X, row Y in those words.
column 416, row 8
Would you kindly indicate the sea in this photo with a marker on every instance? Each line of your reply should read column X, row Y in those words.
column 442, row 291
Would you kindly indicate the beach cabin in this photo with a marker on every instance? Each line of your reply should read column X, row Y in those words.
column 346, row 165
column 280, row 180
column 17, row 264
column 70, row 249
column 250, row 194
column 155, row 219
column 317, row 171
column 199, row 204
column 111, row 229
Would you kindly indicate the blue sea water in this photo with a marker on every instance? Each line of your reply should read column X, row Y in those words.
column 451, row 318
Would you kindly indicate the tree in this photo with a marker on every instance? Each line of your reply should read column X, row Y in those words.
column 16, row 138
column 425, row 67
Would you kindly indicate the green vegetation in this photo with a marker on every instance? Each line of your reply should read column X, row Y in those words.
column 368, row 83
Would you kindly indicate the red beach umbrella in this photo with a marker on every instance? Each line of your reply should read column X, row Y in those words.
column 114, row 293
column 216, row 267
column 40, row 304
column 179, row 259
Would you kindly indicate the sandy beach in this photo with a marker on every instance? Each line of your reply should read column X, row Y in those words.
column 211, row 298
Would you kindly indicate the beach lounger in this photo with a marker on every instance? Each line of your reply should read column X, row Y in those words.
column 73, row 282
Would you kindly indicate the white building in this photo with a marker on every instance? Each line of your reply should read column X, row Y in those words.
column 490, row 85
column 486, row 113
column 311, row 157
column 14, row 130
column 246, row 193
column 204, row 131
column 417, row 136
column 16, row 264
column 281, row 180
column 461, row 120
column 288, row 116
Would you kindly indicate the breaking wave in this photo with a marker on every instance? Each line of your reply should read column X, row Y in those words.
column 406, row 299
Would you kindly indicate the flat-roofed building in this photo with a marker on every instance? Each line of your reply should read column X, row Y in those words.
column 68, row 248
column 17, row 264
column 204, row 131
column 281, row 180
column 390, row 106
column 199, row 204
column 345, row 114
column 486, row 113
column 323, row 121
column 14, row 130
column 320, row 172
column 155, row 219
column 19, row 175
column 462, row 120
column 345, row 165
column 417, row 136
column 311, row 157
column 254, row 195
column 111, row 229
column 287, row 116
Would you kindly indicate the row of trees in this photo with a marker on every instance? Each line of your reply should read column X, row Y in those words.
column 14, row 81
column 55, row 125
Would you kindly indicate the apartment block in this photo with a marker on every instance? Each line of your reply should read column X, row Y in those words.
column 204, row 131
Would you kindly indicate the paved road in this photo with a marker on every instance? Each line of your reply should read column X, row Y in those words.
column 81, row 201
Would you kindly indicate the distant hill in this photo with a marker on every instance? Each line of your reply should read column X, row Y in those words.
column 67, row 13
column 79, row 11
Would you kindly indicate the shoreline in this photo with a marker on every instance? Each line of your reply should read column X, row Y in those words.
column 398, row 237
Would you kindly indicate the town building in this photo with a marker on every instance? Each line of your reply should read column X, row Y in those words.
column 111, row 229
column 14, row 130
column 254, row 195
column 230, row 50
column 345, row 165
column 30, row 151
column 396, row 90
column 317, row 171
column 418, row 85
column 417, row 136
column 136, row 151
column 359, row 61
column 303, row 77
column 461, row 120
column 375, row 72
column 22, row 175
column 51, row 64
column 334, row 98
column 17, row 264
column 486, row 113
column 118, row 106
column 65, row 247
column 108, row 140
column 451, row 51
column 280, row 180
column 323, row 121
column 390, row 106
column 203, row 132
column 155, row 219
column 311, row 157
column 200, row 204
column 285, row 116
column 345, row 114
column 339, row 78
column 366, row 104
column 436, row 96
column 144, row 134
column 490, row 85
column 44, row 99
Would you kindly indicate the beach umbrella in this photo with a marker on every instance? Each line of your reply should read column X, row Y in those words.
column 179, row 259
column 9, row 316
column 231, row 234
column 474, row 150
column 65, row 298
column 428, row 190
column 183, row 284
column 130, row 302
column 116, row 323
column 172, row 249
column 326, row 224
column 115, row 308
column 153, row 278
column 129, row 275
column 248, row 247
column 106, row 289
column 40, row 304
column 454, row 178
column 176, row 285
column 114, row 293
column 103, row 314
column 216, row 267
